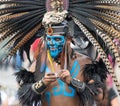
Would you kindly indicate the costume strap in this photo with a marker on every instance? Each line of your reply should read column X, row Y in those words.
column 78, row 84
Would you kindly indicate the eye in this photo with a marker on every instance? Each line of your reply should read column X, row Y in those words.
column 48, row 39
column 57, row 39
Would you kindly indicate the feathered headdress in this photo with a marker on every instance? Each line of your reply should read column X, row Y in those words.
column 22, row 20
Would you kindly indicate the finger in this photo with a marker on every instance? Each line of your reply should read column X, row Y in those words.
column 49, row 80
column 64, row 70
column 50, row 77
column 50, row 74
column 63, row 75
column 59, row 73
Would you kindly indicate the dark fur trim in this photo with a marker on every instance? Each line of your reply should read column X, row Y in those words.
column 98, row 72
column 25, row 93
column 27, row 96
column 88, row 91
column 24, row 77
column 87, row 97
column 95, row 68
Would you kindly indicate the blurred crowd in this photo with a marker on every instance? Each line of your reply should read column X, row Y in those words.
column 8, row 87
column 8, row 84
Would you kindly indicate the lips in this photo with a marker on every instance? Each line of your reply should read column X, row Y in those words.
column 52, row 48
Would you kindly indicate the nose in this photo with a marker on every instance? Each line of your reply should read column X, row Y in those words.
column 52, row 42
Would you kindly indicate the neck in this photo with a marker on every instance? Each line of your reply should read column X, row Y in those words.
column 57, row 60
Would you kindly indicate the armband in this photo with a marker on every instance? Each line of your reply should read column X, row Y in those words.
column 39, row 87
column 80, row 86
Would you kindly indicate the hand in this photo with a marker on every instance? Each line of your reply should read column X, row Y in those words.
column 65, row 76
column 49, row 78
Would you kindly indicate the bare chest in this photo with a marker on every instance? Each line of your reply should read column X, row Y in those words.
column 60, row 94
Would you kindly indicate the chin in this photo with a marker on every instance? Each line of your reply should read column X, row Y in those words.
column 54, row 55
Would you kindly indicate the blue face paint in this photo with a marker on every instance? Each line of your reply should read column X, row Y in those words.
column 75, row 69
column 60, row 89
column 47, row 70
column 55, row 44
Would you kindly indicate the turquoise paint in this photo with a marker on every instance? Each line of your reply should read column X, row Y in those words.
column 60, row 89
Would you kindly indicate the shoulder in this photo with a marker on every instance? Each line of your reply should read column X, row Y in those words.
column 82, row 59
column 78, row 63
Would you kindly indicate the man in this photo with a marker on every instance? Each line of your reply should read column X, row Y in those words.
column 111, row 97
column 68, row 78
column 59, row 74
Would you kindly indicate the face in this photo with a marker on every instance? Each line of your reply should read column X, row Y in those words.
column 55, row 44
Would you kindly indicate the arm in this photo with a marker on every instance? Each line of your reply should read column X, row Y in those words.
column 92, row 86
column 115, row 102
column 30, row 91
column 25, row 92
column 113, row 97
column 88, row 91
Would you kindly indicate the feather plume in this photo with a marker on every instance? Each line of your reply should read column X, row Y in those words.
column 17, row 20
column 99, row 20
column 100, row 51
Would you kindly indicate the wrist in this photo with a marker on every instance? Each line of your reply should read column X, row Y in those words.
column 46, row 83
column 39, row 87
column 76, row 83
